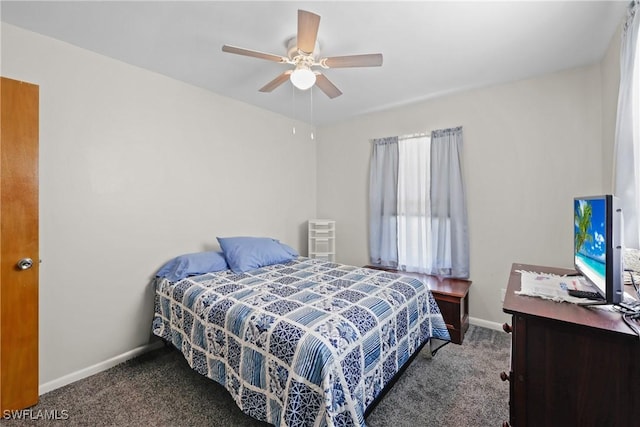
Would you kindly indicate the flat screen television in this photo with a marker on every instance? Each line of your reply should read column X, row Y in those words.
column 598, row 244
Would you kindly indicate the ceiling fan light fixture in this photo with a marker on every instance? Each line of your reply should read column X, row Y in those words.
column 302, row 77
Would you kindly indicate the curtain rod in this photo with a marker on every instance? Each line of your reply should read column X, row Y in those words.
column 413, row 135
column 420, row 134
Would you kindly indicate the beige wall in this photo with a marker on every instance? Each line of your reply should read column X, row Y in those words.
column 529, row 148
column 136, row 168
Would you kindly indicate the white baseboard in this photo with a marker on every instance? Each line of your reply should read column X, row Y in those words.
column 485, row 323
column 98, row 367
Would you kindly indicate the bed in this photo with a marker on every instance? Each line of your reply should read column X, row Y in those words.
column 299, row 343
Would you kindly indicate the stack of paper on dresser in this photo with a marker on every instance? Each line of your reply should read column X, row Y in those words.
column 550, row 286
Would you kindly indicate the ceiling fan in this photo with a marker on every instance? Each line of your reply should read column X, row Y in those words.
column 302, row 51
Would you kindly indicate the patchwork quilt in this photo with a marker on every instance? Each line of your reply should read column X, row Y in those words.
column 306, row 343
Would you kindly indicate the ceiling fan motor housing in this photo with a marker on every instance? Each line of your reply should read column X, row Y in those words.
column 293, row 51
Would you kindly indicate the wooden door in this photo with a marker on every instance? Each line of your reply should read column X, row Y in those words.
column 18, row 241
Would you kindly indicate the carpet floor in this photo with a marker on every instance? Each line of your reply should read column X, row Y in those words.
column 458, row 387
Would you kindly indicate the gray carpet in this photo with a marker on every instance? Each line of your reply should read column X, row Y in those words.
column 460, row 386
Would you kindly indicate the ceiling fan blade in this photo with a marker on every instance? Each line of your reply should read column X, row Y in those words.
column 326, row 86
column 276, row 82
column 253, row 53
column 308, row 24
column 367, row 60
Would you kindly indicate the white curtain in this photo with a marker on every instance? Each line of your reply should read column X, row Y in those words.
column 627, row 139
column 414, row 212
column 383, row 205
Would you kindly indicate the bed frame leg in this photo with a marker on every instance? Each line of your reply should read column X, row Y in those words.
column 435, row 346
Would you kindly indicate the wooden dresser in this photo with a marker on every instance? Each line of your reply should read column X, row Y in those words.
column 452, row 296
column 570, row 365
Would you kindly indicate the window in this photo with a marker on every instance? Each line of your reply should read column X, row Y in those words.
column 418, row 219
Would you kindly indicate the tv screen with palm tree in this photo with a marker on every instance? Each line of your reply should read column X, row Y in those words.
column 597, row 244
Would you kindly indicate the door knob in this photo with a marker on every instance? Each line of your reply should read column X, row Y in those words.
column 25, row 264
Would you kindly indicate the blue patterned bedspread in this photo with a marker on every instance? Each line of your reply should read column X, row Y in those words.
column 307, row 343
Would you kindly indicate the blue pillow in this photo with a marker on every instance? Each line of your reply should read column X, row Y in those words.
column 192, row 265
column 248, row 253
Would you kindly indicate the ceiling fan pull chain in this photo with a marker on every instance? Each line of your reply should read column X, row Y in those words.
column 311, row 109
column 293, row 105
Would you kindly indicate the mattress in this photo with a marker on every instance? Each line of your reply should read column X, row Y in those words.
column 305, row 343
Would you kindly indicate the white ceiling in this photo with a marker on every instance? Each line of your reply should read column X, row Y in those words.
column 430, row 48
